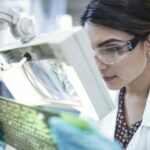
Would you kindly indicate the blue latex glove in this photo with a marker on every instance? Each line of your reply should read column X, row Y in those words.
column 2, row 145
column 70, row 137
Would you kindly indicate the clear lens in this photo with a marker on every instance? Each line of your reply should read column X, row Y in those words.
column 112, row 54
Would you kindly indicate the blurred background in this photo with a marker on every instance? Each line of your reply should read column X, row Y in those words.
column 48, row 15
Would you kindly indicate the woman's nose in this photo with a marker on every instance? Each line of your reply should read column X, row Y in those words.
column 101, row 64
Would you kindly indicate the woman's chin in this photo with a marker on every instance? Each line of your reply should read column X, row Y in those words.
column 113, row 87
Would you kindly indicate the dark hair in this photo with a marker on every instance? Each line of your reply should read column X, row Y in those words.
column 131, row 16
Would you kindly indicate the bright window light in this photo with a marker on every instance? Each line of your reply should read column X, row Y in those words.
column 65, row 21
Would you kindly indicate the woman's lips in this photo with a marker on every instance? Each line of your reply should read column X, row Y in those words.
column 108, row 78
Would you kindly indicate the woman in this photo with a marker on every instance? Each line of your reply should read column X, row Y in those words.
column 119, row 34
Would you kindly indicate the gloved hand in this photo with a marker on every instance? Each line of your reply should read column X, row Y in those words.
column 70, row 137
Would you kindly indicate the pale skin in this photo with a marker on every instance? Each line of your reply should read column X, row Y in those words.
column 132, row 72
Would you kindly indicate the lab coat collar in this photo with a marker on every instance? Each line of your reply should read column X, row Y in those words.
column 146, row 114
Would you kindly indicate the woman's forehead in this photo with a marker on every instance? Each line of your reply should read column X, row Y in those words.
column 99, row 33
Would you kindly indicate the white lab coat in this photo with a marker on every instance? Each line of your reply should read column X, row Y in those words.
column 140, row 140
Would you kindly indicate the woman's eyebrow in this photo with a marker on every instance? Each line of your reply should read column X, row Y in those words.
column 108, row 41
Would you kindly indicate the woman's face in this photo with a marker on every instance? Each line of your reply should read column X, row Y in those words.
column 126, row 70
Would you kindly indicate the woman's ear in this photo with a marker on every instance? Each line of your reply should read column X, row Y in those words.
column 147, row 47
column 148, row 41
column 147, row 44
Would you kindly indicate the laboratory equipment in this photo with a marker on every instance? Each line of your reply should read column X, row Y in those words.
column 70, row 49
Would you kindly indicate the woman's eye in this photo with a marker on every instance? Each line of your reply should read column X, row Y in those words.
column 112, row 49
